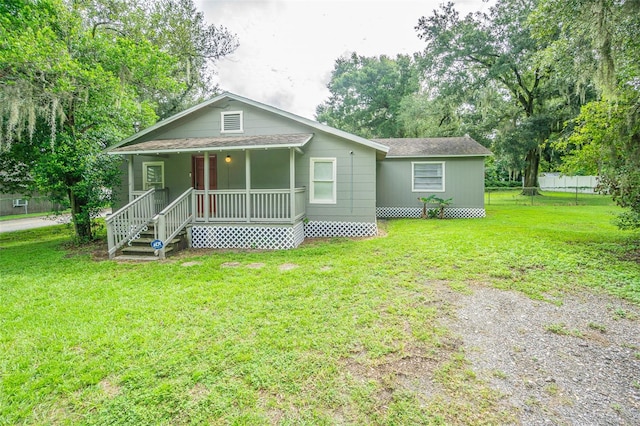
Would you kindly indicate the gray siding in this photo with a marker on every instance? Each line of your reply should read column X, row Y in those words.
column 206, row 123
column 356, row 179
column 464, row 182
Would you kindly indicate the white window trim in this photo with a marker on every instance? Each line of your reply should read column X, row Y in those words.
column 225, row 113
column 312, row 181
column 413, row 180
column 144, row 173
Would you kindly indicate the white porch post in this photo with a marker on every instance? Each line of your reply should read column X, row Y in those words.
column 205, row 202
column 292, row 184
column 247, row 177
column 130, row 176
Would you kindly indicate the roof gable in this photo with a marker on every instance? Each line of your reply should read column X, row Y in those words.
column 230, row 96
column 434, row 147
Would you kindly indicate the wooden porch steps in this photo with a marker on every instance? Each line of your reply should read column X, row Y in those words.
column 140, row 249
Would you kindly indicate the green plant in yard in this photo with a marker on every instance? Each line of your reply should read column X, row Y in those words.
column 441, row 203
column 561, row 329
column 425, row 201
column 596, row 326
column 209, row 339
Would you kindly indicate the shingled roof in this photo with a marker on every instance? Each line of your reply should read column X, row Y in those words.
column 434, row 147
column 208, row 144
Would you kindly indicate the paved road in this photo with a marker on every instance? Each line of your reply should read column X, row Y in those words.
column 32, row 222
column 37, row 222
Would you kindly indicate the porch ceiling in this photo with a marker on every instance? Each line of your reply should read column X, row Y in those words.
column 296, row 140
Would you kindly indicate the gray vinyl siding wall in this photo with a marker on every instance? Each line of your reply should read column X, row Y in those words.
column 464, row 182
column 206, row 123
column 356, row 179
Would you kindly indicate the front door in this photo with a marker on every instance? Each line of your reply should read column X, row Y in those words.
column 197, row 180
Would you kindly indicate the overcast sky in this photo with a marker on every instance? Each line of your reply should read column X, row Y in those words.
column 288, row 47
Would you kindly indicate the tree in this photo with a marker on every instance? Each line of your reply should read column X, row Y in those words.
column 496, row 51
column 366, row 95
column 601, row 37
column 179, row 29
column 75, row 77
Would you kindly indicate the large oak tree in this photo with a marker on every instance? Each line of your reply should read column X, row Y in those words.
column 495, row 52
column 78, row 75
column 601, row 37
column 366, row 94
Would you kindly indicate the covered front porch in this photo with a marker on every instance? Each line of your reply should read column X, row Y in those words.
column 252, row 210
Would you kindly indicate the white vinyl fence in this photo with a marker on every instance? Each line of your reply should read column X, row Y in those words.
column 559, row 183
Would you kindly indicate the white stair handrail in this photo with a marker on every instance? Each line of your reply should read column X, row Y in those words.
column 129, row 221
column 172, row 219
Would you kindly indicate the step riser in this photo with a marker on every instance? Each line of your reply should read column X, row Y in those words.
column 142, row 247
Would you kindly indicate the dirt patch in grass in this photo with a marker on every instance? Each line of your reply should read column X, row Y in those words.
column 198, row 392
column 632, row 256
column 109, row 387
column 287, row 267
column 97, row 250
column 414, row 371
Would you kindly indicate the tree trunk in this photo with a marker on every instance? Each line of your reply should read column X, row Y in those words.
column 532, row 162
column 80, row 218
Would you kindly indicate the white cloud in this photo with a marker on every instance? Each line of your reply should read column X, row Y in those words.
column 288, row 47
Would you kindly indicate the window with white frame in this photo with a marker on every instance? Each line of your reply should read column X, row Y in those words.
column 231, row 122
column 153, row 175
column 427, row 176
column 323, row 181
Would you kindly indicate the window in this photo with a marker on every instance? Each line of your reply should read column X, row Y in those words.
column 153, row 175
column 323, row 181
column 427, row 176
column 231, row 122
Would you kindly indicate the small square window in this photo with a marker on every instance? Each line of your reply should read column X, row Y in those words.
column 427, row 176
column 231, row 122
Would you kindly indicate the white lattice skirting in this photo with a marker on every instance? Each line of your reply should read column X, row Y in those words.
column 449, row 213
column 315, row 228
column 255, row 237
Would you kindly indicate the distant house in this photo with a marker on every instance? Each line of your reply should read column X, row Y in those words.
column 236, row 173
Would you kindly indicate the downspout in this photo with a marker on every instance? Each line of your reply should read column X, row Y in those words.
column 351, row 188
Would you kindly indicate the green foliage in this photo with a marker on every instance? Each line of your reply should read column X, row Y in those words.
column 490, row 66
column 366, row 95
column 76, row 77
column 440, row 202
column 605, row 136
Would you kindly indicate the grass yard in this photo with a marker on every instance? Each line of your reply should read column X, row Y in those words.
column 336, row 331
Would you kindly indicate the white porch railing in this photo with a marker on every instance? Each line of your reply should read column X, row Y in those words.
column 261, row 205
column 232, row 206
column 161, row 198
column 172, row 219
column 128, row 221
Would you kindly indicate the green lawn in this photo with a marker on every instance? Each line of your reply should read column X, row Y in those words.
column 200, row 339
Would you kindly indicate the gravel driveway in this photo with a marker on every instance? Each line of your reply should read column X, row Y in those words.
column 577, row 363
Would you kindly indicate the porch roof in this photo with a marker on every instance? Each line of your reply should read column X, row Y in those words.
column 229, row 143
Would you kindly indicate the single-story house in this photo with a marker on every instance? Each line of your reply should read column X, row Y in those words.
column 236, row 173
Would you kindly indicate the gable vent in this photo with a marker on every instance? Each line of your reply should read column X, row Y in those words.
column 231, row 122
